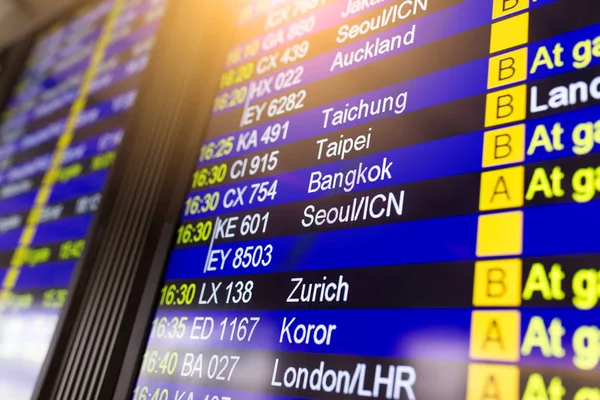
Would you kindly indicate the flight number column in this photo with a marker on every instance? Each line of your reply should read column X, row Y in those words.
column 495, row 332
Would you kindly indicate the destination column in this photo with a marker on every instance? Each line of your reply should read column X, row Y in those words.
column 495, row 333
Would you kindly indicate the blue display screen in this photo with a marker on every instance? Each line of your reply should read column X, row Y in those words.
column 60, row 134
column 396, row 199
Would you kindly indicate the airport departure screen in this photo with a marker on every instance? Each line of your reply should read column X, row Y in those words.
column 394, row 200
column 59, row 136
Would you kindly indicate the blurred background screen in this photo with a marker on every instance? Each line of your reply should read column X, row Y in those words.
column 59, row 136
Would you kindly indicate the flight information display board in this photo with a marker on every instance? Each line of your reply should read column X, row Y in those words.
column 60, row 133
column 396, row 199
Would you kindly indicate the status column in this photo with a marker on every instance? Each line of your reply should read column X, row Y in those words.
column 496, row 330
